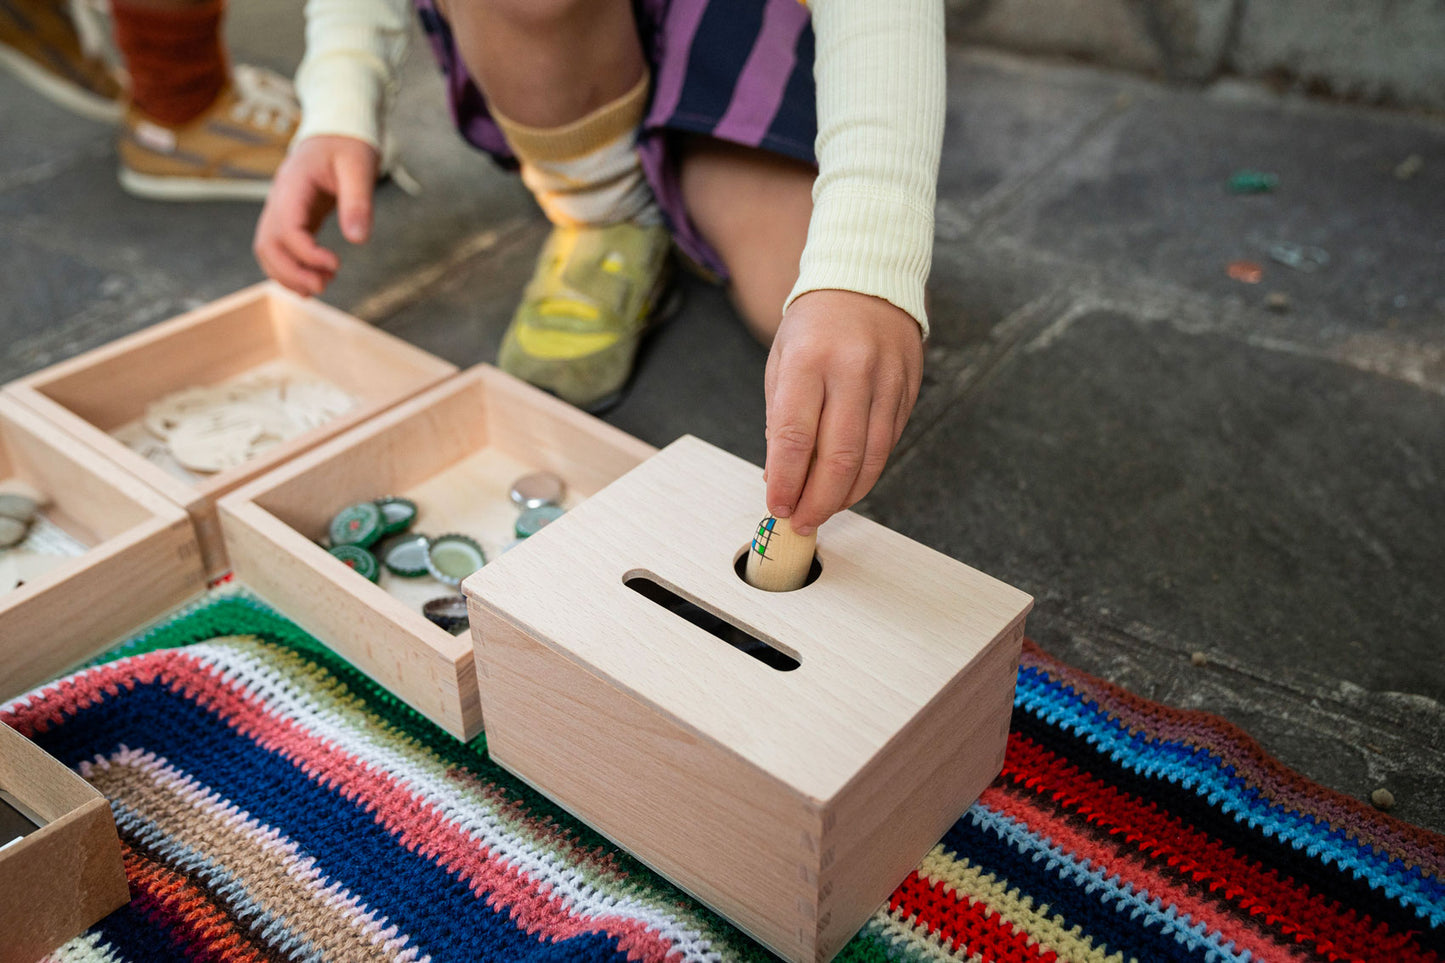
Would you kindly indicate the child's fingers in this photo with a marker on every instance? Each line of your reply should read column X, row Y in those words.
column 281, row 266
column 305, row 252
column 842, row 448
column 282, row 271
column 293, row 258
column 355, row 177
column 793, row 413
column 314, row 273
column 881, row 439
column 284, row 244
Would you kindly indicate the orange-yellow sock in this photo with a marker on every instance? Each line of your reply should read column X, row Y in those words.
column 587, row 172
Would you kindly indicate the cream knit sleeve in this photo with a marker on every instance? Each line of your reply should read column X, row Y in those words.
column 354, row 49
column 879, row 72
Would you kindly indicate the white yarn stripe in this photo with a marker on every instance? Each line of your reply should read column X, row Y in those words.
column 914, row 941
column 238, row 665
column 86, row 948
column 148, row 829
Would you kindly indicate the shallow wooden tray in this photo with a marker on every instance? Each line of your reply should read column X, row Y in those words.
column 67, row 874
column 142, row 559
column 455, row 450
column 97, row 392
column 791, row 795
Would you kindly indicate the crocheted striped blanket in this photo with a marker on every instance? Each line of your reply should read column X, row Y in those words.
column 273, row 803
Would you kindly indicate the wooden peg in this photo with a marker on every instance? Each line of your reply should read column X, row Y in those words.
column 779, row 558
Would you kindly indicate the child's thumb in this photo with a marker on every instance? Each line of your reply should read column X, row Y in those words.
column 355, row 177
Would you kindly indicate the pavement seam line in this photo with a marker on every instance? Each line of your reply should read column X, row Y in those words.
column 382, row 304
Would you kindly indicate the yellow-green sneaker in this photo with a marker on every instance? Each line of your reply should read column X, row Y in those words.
column 583, row 314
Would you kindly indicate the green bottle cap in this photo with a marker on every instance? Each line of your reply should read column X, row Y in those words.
column 449, row 612
column 533, row 520
column 454, row 557
column 405, row 555
column 358, row 524
column 397, row 514
column 357, row 559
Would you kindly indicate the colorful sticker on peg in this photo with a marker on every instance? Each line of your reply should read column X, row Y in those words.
column 764, row 536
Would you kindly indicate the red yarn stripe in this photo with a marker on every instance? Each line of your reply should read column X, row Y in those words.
column 1284, row 905
column 968, row 925
column 414, row 823
column 1110, row 859
column 1410, row 844
column 174, row 904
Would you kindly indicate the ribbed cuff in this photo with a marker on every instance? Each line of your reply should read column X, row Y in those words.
column 872, row 243
column 343, row 95
column 175, row 58
column 598, row 129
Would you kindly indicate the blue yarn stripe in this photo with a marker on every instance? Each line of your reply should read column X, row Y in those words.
column 431, row 905
column 1208, row 777
column 1114, row 917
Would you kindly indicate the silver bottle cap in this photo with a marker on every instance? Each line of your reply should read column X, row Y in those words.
column 538, row 489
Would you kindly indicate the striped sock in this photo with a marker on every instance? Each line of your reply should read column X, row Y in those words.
column 588, row 172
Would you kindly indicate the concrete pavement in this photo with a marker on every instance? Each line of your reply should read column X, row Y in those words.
column 1111, row 422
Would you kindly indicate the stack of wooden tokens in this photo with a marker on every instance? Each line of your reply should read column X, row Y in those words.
column 215, row 428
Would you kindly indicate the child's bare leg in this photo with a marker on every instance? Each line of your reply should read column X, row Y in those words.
column 545, row 63
column 567, row 85
column 753, row 207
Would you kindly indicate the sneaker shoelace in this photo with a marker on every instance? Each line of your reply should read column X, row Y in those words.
column 264, row 98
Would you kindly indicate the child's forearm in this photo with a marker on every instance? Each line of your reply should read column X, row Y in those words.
column 881, row 86
column 354, row 49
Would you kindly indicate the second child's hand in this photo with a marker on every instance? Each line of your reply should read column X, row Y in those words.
column 841, row 381
column 322, row 173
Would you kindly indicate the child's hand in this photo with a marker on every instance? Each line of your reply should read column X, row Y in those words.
column 322, row 173
column 841, row 382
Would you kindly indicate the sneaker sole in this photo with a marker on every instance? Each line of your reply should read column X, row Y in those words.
column 168, row 188
column 60, row 92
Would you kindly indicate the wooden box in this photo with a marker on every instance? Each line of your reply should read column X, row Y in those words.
column 792, row 802
column 142, row 558
column 455, row 450
column 65, row 875
column 96, row 393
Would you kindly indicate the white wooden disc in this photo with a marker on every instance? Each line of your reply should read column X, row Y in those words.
column 214, row 442
column 164, row 414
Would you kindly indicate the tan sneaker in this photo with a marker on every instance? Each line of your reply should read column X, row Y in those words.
column 229, row 153
column 57, row 48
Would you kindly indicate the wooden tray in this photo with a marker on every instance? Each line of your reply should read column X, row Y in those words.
column 64, row 876
column 791, row 796
column 100, row 391
column 455, row 450
column 142, row 559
